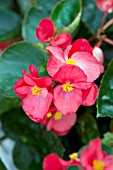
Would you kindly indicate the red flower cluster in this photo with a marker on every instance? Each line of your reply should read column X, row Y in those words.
column 54, row 101
column 91, row 158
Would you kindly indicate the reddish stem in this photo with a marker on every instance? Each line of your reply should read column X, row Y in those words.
column 110, row 22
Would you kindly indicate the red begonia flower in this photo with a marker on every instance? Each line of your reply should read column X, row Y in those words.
column 34, row 92
column 45, row 33
column 105, row 5
column 81, row 58
column 89, row 95
column 93, row 158
column 68, row 96
column 45, row 30
column 59, row 123
column 53, row 162
column 62, row 40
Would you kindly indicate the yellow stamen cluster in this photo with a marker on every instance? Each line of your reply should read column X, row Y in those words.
column 36, row 90
column 98, row 165
column 49, row 114
column 70, row 61
column 57, row 115
column 73, row 156
column 67, row 87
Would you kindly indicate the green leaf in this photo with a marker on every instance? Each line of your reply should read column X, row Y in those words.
column 8, row 103
column 108, row 139
column 87, row 127
column 24, row 5
column 107, row 149
column 105, row 98
column 31, row 21
column 66, row 15
column 9, row 25
column 73, row 167
column 33, row 142
column 6, row 4
column 2, row 166
column 16, row 58
column 91, row 15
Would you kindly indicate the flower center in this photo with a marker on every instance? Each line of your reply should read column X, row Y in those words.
column 57, row 115
column 36, row 90
column 73, row 156
column 67, row 87
column 70, row 61
column 49, row 114
column 98, row 165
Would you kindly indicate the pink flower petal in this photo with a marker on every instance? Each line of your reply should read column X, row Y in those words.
column 33, row 71
column 104, row 5
column 70, row 73
column 67, row 102
column 53, row 65
column 88, row 64
column 91, row 153
column 43, row 82
column 90, row 95
column 18, row 84
column 53, row 162
column 45, row 30
column 62, row 40
column 56, row 52
column 80, row 45
column 108, row 161
column 36, row 107
column 66, row 52
column 62, row 126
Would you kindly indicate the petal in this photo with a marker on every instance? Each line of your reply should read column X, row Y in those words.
column 53, row 65
column 45, row 30
column 108, row 161
column 92, row 152
column 36, row 107
column 104, row 5
column 62, row 126
column 62, row 40
column 90, row 95
column 70, row 73
column 44, row 82
column 56, row 52
column 53, row 162
column 88, row 64
column 66, row 52
column 29, row 79
column 80, row 45
column 18, row 84
column 33, row 71
column 67, row 102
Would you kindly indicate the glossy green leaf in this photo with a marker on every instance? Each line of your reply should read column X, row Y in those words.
column 87, row 132
column 16, row 58
column 105, row 98
column 66, row 16
column 31, row 21
column 108, row 139
column 6, row 4
column 9, row 25
column 24, row 5
column 33, row 142
column 2, row 166
column 8, row 103
column 107, row 149
column 73, row 167
column 91, row 15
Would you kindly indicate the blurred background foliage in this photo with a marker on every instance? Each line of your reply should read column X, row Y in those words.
column 24, row 143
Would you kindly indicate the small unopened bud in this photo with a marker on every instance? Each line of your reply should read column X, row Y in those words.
column 99, row 55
